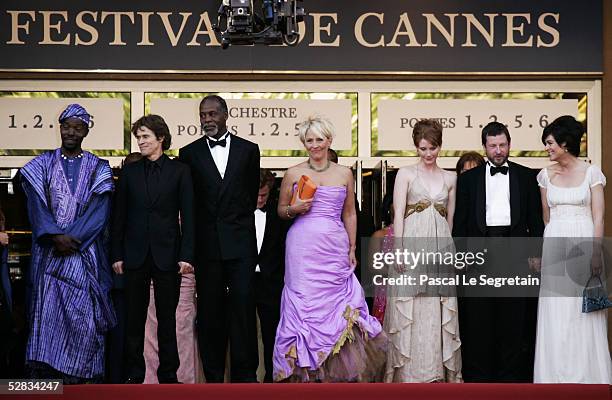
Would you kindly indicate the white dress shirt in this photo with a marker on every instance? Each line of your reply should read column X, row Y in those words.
column 260, row 230
column 498, row 197
column 220, row 154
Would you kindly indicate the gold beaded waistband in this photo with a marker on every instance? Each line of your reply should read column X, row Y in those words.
column 422, row 206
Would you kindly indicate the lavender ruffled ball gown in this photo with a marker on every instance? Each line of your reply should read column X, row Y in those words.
column 325, row 332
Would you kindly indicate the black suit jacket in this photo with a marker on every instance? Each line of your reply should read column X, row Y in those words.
column 525, row 205
column 141, row 222
column 271, row 257
column 224, row 207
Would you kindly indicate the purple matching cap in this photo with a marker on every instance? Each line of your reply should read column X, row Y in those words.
column 75, row 111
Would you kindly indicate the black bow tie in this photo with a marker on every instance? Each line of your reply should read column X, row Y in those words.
column 503, row 169
column 212, row 143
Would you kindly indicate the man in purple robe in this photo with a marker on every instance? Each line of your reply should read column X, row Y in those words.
column 69, row 197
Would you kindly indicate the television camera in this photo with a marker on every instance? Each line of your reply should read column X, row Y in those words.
column 248, row 22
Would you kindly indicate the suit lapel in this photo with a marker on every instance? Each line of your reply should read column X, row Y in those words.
column 515, row 195
column 233, row 159
column 481, row 199
column 267, row 230
column 141, row 180
column 205, row 158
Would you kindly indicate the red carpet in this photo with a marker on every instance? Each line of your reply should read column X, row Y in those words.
column 330, row 391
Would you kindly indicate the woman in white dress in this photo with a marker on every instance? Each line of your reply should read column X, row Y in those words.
column 422, row 322
column 571, row 346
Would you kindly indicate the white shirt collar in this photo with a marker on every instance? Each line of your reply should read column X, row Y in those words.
column 224, row 136
column 220, row 154
column 490, row 164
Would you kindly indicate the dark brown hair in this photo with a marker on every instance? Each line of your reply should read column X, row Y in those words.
column 470, row 156
column 266, row 178
column 566, row 131
column 131, row 158
column 428, row 129
column 157, row 125
column 494, row 129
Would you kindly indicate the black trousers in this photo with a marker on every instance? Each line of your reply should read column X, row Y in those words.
column 167, row 285
column 497, row 339
column 115, row 343
column 6, row 334
column 497, row 334
column 267, row 302
column 226, row 310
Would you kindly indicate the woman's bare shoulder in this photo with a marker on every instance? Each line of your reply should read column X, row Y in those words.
column 342, row 169
column 407, row 172
column 450, row 177
column 296, row 170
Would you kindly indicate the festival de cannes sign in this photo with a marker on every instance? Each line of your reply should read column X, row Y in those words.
column 397, row 36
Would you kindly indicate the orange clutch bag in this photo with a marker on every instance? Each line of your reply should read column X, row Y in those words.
column 306, row 189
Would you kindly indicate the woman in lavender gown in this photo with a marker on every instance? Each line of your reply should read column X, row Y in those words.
column 325, row 332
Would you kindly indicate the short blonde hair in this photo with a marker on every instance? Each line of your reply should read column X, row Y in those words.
column 319, row 126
